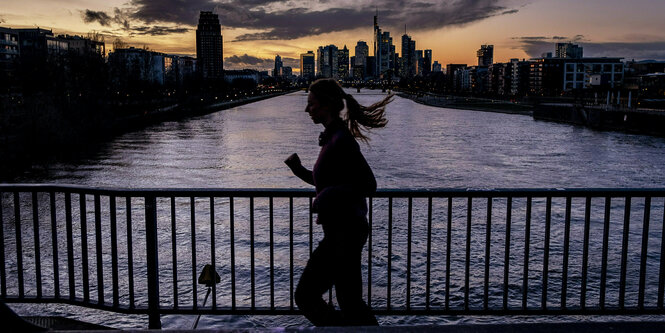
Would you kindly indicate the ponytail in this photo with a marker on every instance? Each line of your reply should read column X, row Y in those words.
column 368, row 117
column 358, row 118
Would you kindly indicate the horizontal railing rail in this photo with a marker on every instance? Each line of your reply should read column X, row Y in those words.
column 429, row 251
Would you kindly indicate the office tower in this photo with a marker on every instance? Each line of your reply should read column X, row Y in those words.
column 343, row 62
column 485, row 55
column 209, row 46
column 307, row 65
column 327, row 64
column 569, row 51
column 409, row 57
column 427, row 62
column 420, row 62
column 451, row 78
column 278, row 66
column 383, row 51
column 436, row 67
column 362, row 51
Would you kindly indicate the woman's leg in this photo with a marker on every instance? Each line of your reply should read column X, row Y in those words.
column 316, row 279
column 348, row 277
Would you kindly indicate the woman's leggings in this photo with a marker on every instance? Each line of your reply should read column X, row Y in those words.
column 336, row 262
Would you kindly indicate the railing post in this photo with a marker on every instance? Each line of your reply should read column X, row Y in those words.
column 151, row 254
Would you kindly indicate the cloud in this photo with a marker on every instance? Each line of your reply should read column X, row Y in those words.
column 97, row 16
column 636, row 50
column 157, row 30
column 248, row 61
column 640, row 50
column 285, row 20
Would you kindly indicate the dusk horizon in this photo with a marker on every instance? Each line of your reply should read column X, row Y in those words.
column 253, row 34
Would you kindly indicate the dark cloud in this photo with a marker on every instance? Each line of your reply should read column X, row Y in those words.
column 284, row 20
column 536, row 46
column 639, row 50
column 157, row 30
column 170, row 11
column 95, row 16
column 248, row 61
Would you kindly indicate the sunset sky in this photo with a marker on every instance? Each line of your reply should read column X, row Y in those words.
column 254, row 31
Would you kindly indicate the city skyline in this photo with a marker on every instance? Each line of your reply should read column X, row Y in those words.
column 254, row 34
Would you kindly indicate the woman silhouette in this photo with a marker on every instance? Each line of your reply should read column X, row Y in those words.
column 343, row 180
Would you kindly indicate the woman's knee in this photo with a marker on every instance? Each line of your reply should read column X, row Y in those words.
column 302, row 296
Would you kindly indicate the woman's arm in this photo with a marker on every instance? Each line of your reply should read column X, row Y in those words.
column 293, row 162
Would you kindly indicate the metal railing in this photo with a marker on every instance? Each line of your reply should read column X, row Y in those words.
column 429, row 252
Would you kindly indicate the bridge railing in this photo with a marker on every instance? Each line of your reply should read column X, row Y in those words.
column 429, row 252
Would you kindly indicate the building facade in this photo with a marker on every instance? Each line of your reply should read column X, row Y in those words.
column 307, row 65
column 343, row 63
column 327, row 63
column 384, row 51
column 485, row 55
column 568, row 51
column 277, row 70
column 209, row 52
column 427, row 62
column 409, row 58
column 140, row 64
column 9, row 51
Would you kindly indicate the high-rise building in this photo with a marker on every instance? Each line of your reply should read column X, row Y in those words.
column 436, row 67
column 278, row 67
column 485, row 55
column 307, row 66
column 420, row 62
column 360, row 64
column 209, row 46
column 362, row 51
column 384, row 51
column 452, row 78
column 409, row 57
column 327, row 64
column 343, row 62
column 569, row 51
column 427, row 62
column 286, row 72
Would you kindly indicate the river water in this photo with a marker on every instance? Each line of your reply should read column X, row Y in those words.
column 421, row 147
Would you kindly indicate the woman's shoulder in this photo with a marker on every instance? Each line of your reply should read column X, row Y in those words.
column 343, row 138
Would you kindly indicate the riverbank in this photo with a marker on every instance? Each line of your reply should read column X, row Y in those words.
column 469, row 103
column 41, row 131
column 636, row 121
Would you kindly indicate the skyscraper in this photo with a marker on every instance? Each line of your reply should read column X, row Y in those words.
column 485, row 55
column 427, row 62
column 383, row 51
column 343, row 62
column 420, row 62
column 362, row 51
column 307, row 65
column 409, row 57
column 209, row 46
column 327, row 64
column 278, row 66
column 569, row 51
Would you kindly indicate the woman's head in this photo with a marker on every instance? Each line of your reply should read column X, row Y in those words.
column 329, row 94
column 326, row 101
